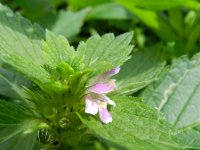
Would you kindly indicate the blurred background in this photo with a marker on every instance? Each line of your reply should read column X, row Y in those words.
column 171, row 25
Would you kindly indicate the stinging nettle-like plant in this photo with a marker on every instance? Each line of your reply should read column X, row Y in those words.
column 54, row 91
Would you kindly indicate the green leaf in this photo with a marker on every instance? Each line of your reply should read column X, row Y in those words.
column 139, row 71
column 77, row 4
column 69, row 23
column 20, row 45
column 176, row 20
column 176, row 94
column 19, row 36
column 28, row 67
column 153, row 20
column 134, row 126
column 56, row 49
column 116, row 11
column 11, row 83
column 106, row 52
column 161, row 5
column 18, row 127
column 191, row 135
column 96, row 53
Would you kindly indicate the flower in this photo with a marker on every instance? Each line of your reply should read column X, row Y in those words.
column 96, row 100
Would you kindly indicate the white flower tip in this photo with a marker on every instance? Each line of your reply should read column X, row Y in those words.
column 113, row 71
column 112, row 103
column 108, row 121
column 90, row 111
column 91, row 107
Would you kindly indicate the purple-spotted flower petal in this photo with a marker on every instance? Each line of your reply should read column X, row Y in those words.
column 91, row 106
column 105, row 116
column 113, row 71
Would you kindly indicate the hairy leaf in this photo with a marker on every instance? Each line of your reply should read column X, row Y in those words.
column 56, row 49
column 139, row 71
column 11, row 83
column 105, row 52
column 177, row 93
column 134, row 126
column 191, row 135
column 20, row 44
column 18, row 36
column 34, row 71
column 18, row 127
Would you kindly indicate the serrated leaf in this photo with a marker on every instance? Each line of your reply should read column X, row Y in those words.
column 106, row 52
column 19, row 36
column 134, row 126
column 177, row 93
column 69, row 23
column 18, row 127
column 99, row 54
column 139, row 71
column 34, row 71
column 56, row 49
column 20, row 45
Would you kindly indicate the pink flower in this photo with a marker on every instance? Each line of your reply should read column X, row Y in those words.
column 96, row 100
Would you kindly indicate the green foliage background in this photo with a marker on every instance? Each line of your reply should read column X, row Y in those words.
column 48, row 59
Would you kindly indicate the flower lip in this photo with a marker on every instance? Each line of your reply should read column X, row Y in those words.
column 96, row 100
column 95, row 103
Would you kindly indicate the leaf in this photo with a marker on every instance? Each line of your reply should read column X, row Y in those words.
column 56, row 49
column 109, row 11
column 29, row 68
column 19, row 36
column 20, row 45
column 191, row 135
column 18, row 127
column 36, row 10
column 77, row 4
column 160, row 5
column 176, row 93
column 154, row 21
column 139, row 71
column 176, row 19
column 134, row 126
column 69, row 23
column 95, row 53
column 106, row 52
column 11, row 84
